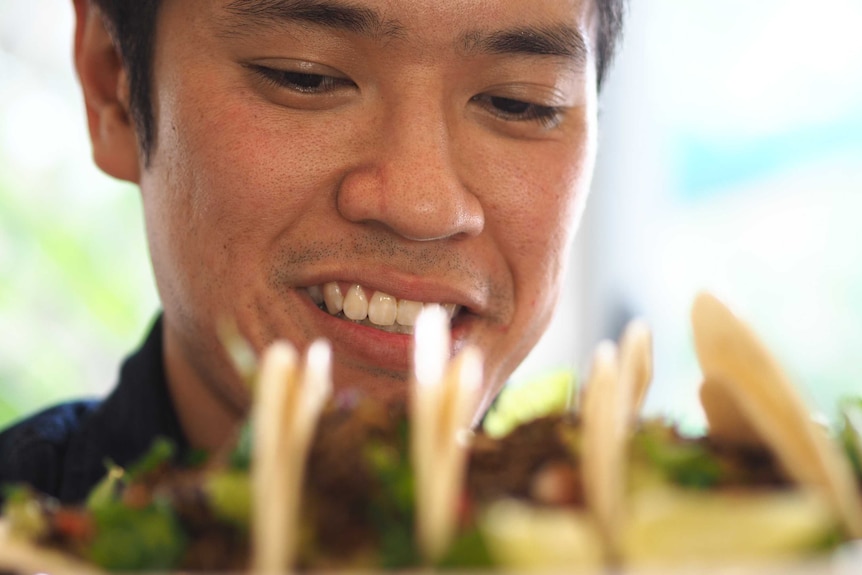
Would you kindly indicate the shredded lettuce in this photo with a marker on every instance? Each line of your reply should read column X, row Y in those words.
column 229, row 493
column 148, row 538
column 392, row 506
column 109, row 488
column 851, row 432
column 686, row 464
column 240, row 457
column 161, row 452
column 131, row 538
column 468, row 551
column 519, row 403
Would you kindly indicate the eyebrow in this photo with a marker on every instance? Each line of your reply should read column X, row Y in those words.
column 334, row 14
column 555, row 40
column 542, row 40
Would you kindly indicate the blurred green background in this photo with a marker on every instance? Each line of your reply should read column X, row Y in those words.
column 76, row 292
column 730, row 158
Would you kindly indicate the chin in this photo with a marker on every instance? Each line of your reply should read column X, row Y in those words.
column 379, row 384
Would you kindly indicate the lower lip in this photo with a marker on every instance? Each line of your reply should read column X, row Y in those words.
column 372, row 346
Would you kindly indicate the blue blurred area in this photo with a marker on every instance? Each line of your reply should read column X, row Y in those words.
column 714, row 165
column 732, row 162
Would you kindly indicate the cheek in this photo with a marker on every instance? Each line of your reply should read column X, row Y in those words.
column 227, row 186
column 533, row 205
column 539, row 212
column 245, row 174
column 238, row 175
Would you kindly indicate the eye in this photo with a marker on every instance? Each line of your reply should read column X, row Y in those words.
column 302, row 82
column 514, row 110
column 509, row 106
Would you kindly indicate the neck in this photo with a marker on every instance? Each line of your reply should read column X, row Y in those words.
column 210, row 410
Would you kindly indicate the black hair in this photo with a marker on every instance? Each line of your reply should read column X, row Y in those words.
column 132, row 25
column 608, row 35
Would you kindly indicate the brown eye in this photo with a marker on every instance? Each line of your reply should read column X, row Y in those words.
column 513, row 110
column 508, row 105
column 302, row 82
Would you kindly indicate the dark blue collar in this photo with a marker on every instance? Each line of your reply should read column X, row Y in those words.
column 124, row 425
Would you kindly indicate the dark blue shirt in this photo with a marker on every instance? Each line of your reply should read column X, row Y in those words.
column 62, row 451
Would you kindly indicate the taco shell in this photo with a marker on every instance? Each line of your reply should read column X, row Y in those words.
column 733, row 357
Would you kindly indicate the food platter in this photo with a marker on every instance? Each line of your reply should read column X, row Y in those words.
column 353, row 486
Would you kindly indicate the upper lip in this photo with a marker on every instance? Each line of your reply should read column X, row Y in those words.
column 423, row 289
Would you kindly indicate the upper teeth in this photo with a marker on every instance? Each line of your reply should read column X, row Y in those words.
column 380, row 309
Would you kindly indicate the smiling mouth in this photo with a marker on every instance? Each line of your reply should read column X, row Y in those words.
column 372, row 308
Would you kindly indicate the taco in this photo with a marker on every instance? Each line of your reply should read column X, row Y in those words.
column 352, row 484
column 316, row 484
column 156, row 515
column 765, row 482
column 585, row 535
column 546, row 477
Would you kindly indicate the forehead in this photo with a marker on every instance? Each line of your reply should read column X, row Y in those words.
column 561, row 25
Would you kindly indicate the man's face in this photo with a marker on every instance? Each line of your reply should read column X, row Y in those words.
column 426, row 151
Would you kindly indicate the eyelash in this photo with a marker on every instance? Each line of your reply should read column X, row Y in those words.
column 547, row 116
column 304, row 83
column 301, row 82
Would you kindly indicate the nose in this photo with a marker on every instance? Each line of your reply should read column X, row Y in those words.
column 409, row 181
